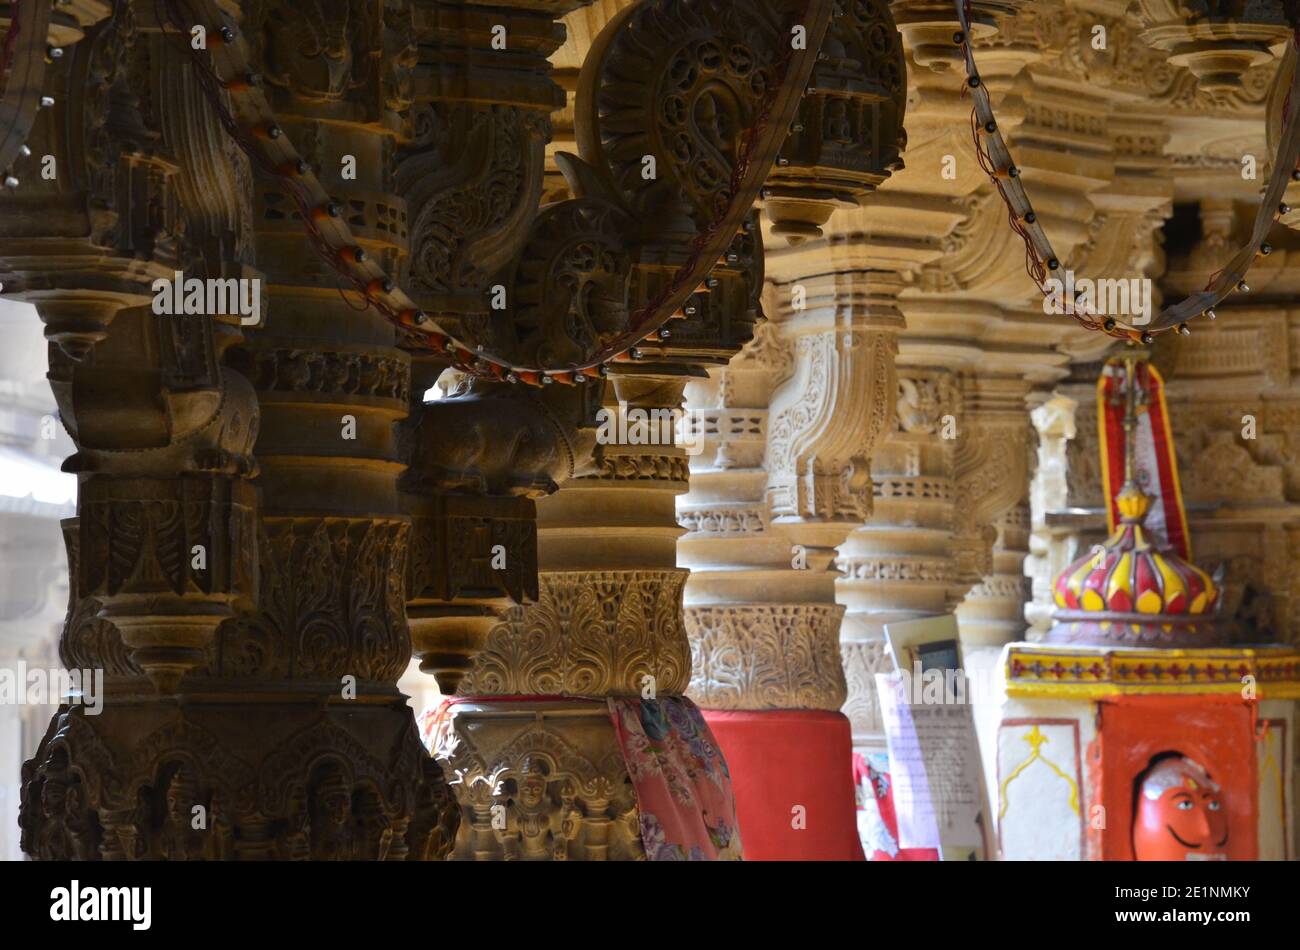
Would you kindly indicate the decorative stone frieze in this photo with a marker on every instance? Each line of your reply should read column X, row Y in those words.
column 767, row 656
column 590, row 633
column 541, row 781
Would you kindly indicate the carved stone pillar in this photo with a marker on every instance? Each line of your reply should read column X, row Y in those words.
column 250, row 620
column 606, row 622
column 1066, row 495
column 901, row 564
column 661, row 106
column 1054, row 425
column 782, row 480
column 786, row 435
column 991, row 466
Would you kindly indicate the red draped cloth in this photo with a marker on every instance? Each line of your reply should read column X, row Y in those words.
column 877, row 820
column 792, row 775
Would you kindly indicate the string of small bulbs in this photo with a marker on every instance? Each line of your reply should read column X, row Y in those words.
column 257, row 133
column 1041, row 260
column 6, row 61
column 23, row 56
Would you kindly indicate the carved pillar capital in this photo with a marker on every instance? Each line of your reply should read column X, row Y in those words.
column 848, row 134
column 607, row 613
column 826, row 420
column 472, row 499
column 929, row 25
column 991, row 465
column 1218, row 42
column 767, row 656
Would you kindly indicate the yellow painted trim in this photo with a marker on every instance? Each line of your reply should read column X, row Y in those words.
column 1121, row 578
column 1041, row 689
column 1149, row 602
column 1259, row 663
column 1270, row 760
column 1036, row 741
column 1173, row 581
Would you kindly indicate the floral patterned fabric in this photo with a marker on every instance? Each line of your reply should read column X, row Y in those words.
column 683, row 788
column 435, row 729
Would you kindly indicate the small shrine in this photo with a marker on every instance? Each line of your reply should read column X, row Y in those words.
column 1141, row 727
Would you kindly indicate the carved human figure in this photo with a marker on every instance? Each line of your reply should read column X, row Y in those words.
column 570, row 824
column 921, row 403
column 528, row 831
column 426, row 835
column 180, row 842
column 1180, row 814
column 295, row 840
column 837, row 127
column 331, row 816
column 54, row 841
column 83, row 828
column 376, row 830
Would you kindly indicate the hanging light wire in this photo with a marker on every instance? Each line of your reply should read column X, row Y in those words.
column 331, row 239
column 1041, row 261
column 22, row 72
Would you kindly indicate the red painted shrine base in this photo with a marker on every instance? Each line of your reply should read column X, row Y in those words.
column 782, row 758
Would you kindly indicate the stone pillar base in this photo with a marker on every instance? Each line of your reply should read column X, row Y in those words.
column 235, row 777
column 555, row 778
column 538, row 778
column 782, row 760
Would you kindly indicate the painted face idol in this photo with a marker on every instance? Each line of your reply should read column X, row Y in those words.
column 1180, row 815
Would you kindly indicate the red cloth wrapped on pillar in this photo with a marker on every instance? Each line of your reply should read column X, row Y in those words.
column 791, row 771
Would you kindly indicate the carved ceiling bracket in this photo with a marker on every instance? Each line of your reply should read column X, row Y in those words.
column 1219, row 40
column 847, row 136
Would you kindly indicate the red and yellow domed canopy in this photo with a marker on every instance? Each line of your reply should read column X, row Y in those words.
column 1130, row 591
column 1130, row 575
